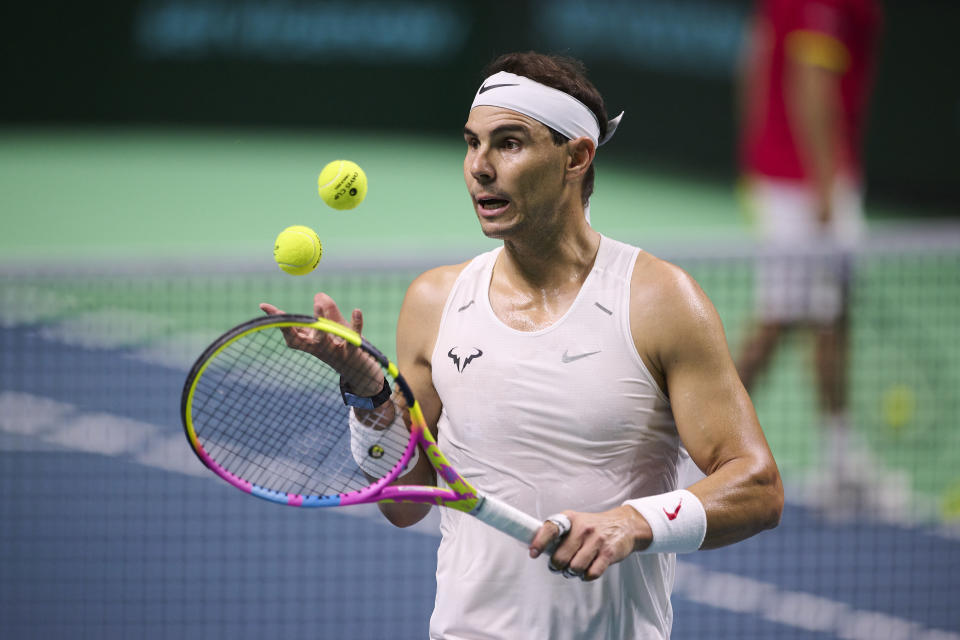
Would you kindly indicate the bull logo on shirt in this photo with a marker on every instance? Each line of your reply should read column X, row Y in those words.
column 459, row 360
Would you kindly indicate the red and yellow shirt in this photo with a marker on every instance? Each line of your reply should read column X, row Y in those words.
column 838, row 35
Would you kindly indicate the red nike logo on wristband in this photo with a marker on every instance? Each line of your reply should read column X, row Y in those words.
column 673, row 516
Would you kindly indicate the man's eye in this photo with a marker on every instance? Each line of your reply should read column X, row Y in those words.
column 511, row 144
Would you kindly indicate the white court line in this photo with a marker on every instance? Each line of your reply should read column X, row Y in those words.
column 107, row 328
column 46, row 424
column 178, row 351
column 796, row 609
column 26, row 305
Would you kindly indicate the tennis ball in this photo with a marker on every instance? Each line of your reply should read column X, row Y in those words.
column 950, row 502
column 342, row 184
column 899, row 405
column 297, row 250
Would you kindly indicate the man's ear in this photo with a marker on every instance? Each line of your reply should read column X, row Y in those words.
column 580, row 154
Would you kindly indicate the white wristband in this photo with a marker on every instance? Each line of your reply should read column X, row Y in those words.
column 677, row 519
column 366, row 441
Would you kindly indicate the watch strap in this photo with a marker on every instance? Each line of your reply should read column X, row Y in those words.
column 364, row 402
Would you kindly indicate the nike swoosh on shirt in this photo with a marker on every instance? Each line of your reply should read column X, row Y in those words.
column 487, row 87
column 566, row 357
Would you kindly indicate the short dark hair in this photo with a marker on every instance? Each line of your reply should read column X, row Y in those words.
column 564, row 74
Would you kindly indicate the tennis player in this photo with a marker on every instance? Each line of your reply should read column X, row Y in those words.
column 564, row 372
column 807, row 81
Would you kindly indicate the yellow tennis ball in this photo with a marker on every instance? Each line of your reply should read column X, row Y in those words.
column 950, row 502
column 297, row 250
column 899, row 405
column 342, row 184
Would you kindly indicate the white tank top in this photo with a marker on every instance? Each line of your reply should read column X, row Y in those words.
column 567, row 417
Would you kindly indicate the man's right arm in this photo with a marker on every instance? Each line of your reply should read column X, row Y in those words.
column 417, row 330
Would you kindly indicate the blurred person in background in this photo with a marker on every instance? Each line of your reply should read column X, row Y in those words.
column 807, row 75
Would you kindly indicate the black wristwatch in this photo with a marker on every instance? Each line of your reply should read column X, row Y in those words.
column 364, row 402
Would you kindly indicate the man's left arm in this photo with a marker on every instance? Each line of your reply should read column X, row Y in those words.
column 741, row 493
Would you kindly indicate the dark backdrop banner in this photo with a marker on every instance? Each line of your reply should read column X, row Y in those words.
column 414, row 65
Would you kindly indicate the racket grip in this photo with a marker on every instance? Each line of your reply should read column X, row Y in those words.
column 510, row 520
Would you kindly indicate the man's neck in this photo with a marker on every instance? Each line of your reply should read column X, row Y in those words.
column 554, row 258
column 536, row 280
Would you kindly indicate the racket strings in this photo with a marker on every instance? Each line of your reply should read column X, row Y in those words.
column 297, row 442
column 238, row 409
column 273, row 416
column 273, row 431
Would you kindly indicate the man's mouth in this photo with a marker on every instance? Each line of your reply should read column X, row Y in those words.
column 492, row 204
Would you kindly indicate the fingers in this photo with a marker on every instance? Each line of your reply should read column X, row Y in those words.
column 325, row 307
column 586, row 564
column 549, row 535
column 578, row 559
column 594, row 542
column 546, row 534
column 356, row 321
column 332, row 349
column 596, row 567
column 289, row 335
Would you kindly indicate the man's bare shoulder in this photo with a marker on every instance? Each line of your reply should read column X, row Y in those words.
column 421, row 312
column 659, row 283
column 667, row 304
column 431, row 288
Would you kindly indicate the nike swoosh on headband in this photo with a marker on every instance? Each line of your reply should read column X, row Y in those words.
column 486, row 88
column 556, row 109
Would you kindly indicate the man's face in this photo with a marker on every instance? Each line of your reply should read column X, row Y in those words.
column 513, row 170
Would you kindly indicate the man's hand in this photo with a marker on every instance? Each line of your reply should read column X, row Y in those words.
column 595, row 541
column 359, row 370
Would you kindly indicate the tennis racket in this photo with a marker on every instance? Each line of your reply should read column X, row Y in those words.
column 272, row 421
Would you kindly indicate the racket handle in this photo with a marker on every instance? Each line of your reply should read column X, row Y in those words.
column 510, row 520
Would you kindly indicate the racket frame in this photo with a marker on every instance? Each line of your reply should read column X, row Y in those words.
column 458, row 494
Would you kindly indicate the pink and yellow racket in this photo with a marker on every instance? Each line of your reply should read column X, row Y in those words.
column 271, row 420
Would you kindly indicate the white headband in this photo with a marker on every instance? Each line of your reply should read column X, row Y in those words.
column 556, row 109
